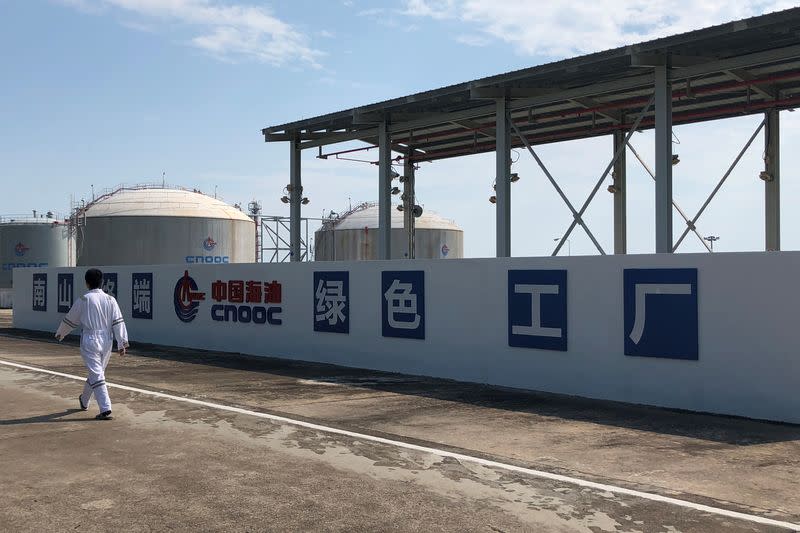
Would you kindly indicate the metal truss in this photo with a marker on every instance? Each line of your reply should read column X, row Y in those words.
column 577, row 216
column 690, row 225
column 680, row 211
column 274, row 233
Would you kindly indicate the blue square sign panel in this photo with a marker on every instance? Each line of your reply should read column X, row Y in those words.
column 110, row 284
column 332, row 302
column 537, row 309
column 142, row 295
column 39, row 292
column 66, row 291
column 403, row 304
column 661, row 312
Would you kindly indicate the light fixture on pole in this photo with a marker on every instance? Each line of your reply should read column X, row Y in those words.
column 289, row 195
column 711, row 240
column 569, row 246
column 513, row 178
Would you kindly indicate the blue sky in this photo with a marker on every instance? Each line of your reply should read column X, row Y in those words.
column 102, row 92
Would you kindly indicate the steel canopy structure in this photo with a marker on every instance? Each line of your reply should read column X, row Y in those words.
column 739, row 68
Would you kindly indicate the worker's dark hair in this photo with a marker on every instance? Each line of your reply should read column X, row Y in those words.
column 94, row 278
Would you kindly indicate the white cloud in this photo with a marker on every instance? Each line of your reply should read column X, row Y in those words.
column 473, row 40
column 228, row 31
column 562, row 28
column 436, row 9
column 371, row 12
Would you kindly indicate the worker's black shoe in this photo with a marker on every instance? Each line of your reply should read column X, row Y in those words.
column 80, row 401
column 105, row 415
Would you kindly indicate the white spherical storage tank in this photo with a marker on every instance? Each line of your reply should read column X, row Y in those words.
column 354, row 237
column 149, row 226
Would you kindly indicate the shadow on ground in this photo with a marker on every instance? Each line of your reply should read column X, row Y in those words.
column 43, row 419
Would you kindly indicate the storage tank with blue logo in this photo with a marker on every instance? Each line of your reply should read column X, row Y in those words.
column 31, row 242
column 151, row 226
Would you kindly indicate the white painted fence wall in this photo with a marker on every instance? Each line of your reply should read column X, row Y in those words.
column 748, row 314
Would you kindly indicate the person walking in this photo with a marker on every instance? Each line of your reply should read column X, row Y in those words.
column 100, row 318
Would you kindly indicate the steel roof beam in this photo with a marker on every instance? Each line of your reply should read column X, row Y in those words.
column 589, row 103
column 492, row 93
column 743, row 61
column 675, row 60
column 340, row 137
column 763, row 89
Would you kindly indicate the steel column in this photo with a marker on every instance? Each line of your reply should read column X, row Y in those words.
column 560, row 192
column 503, row 179
column 577, row 219
column 620, row 196
column 680, row 211
column 384, row 192
column 772, row 183
column 295, row 197
column 409, row 201
column 663, row 125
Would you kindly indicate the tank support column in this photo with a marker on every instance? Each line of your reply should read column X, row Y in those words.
column 620, row 196
column 295, row 197
column 384, row 192
column 663, row 117
column 503, row 179
column 409, row 201
column 772, row 182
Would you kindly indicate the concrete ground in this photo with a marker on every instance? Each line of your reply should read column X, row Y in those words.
column 165, row 464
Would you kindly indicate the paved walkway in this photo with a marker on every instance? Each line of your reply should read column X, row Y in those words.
column 167, row 464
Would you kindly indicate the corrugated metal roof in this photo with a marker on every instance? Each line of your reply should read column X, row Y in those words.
column 738, row 68
column 163, row 203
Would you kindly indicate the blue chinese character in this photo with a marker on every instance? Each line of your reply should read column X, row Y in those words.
column 142, row 295
column 332, row 302
column 537, row 309
column 661, row 312
column 39, row 292
column 65, row 286
column 403, row 304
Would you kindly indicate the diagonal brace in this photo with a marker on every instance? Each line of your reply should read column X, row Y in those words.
column 721, row 182
column 603, row 177
column 674, row 203
column 560, row 192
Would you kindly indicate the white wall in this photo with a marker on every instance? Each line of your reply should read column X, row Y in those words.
column 749, row 331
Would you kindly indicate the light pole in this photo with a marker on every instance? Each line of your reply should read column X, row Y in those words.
column 711, row 239
column 569, row 246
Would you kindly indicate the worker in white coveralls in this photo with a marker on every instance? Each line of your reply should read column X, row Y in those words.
column 98, row 314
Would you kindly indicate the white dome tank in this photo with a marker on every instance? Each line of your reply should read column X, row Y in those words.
column 354, row 237
column 150, row 226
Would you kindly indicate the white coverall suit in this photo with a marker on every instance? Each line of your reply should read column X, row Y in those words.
column 99, row 316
